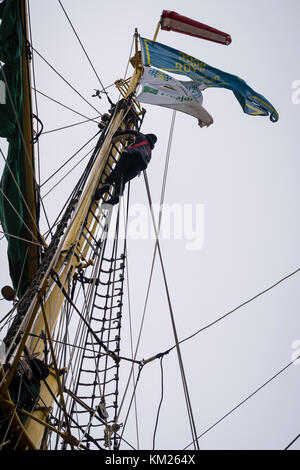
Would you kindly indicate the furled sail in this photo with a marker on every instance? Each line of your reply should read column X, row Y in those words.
column 17, row 205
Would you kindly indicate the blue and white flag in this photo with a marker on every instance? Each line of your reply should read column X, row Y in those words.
column 169, row 59
column 160, row 89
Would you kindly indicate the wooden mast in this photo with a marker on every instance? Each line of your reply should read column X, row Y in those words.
column 28, row 153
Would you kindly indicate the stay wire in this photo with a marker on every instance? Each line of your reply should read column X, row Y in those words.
column 46, row 216
column 64, row 106
column 69, row 159
column 70, row 125
column 20, row 238
column 20, row 217
column 80, row 184
column 64, row 79
column 99, row 143
column 85, row 174
column 160, row 403
column 152, row 267
column 245, row 400
column 184, row 382
column 67, row 174
column 238, row 307
column 294, row 440
column 130, row 315
column 19, row 191
column 160, row 213
column 160, row 216
column 85, row 52
column 131, row 400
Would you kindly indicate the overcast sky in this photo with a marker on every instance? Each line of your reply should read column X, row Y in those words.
column 243, row 170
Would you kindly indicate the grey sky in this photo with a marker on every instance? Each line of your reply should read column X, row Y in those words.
column 243, row 169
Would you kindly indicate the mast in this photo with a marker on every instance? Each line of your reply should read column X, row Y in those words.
column 28, row 152
column 40, row 306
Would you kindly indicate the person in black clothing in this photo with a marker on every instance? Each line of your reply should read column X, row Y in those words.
column 25, row 386
column 133, row 160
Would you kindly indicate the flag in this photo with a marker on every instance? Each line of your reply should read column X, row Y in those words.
column 172, row 21
column 161, row 89
column 172, row 60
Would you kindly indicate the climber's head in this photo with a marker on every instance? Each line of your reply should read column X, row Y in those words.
column 152, row 139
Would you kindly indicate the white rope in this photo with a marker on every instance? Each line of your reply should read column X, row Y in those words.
column 130, row 316
column 184, row 382
column 131, row 373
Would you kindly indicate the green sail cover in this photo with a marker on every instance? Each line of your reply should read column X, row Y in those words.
column 12, row 207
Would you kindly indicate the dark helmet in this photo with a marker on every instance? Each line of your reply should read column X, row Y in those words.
column 152, row 139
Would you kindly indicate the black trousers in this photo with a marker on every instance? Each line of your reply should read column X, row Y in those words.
column 127, row 168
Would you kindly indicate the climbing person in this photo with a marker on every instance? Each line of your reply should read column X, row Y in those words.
column 133, row 160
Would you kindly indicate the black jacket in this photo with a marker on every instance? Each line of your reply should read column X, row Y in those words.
column 143, row 150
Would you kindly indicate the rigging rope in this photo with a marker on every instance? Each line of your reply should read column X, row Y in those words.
column 294, row 440
column 184, row 382
column 81, row 181
column 160, row 215
column 238, row 307
column 65, row 80
column 64, row 106
column 39, row 132
column 74, row 248
column 129, row 311
column 36, row 139
column 71, row 125
column 223, row 315
column 106, row 355
column 152, row 267
column 98, row 340
column 68, row 172
column 26, row 153
column 122, row 120
column 160, row 402
column 69, row 416
column 20, row 238
column 132, row 397
column 54, row 362
column 19, row 189
column 20, row 217
column 69, row 159
column 84, row 50
column 99, row 143
column 245, row 399
column 90, row 318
